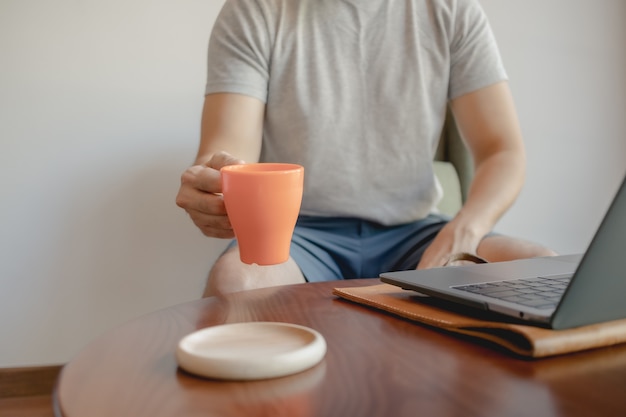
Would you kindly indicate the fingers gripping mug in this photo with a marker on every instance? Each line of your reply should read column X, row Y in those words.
column 263, row 201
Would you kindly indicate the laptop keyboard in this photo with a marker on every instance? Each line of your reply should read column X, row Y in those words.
column 541, row 292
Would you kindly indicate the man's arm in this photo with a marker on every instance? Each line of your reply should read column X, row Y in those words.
column 231, row 133
column 231, row 123
column 488, row 122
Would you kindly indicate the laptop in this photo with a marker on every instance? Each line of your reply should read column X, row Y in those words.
column 557, row 292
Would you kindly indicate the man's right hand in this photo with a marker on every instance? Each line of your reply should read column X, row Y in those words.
column 200, row 195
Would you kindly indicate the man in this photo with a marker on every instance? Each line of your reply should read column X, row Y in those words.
column 357, row 91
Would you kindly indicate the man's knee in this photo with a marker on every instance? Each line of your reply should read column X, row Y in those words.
column 497, row 248
column 229, row 274
column 226, row 275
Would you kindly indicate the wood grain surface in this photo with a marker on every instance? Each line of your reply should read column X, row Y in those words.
column 376, row 365
column 28, row 381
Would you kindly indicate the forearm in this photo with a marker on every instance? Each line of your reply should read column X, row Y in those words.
column 231, row 123
column 497, row 183
column 488, row 122
column 231, row 134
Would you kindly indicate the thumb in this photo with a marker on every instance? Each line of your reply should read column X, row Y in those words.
column 221, row 159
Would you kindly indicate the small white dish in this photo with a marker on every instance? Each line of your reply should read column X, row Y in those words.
column 249, row 351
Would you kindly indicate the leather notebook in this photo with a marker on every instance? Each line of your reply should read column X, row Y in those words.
column 521, row 339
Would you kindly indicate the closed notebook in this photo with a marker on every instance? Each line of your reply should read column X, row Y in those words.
column 521, row 339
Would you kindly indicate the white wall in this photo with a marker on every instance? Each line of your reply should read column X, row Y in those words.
column 567, row 64
column 99, row 114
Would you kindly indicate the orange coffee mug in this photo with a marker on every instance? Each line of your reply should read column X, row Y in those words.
column 263, row 202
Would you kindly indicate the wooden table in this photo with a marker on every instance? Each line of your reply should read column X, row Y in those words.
column 376, row 365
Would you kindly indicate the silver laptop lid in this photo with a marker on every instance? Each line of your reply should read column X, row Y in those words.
column 597, row 291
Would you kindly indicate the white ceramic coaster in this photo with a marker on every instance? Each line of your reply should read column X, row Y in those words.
column 248, row 351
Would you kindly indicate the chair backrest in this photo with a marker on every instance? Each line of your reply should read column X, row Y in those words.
column 452, row 149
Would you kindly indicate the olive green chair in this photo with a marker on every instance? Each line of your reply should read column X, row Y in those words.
column 453, row 166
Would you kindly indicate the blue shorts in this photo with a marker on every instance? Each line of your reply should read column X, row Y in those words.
column 329, row 248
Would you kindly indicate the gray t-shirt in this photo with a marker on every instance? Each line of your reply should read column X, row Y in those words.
column 356, row 91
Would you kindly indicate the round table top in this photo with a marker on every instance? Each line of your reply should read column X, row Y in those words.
column 376, row 365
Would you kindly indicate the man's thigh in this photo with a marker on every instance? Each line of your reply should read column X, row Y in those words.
column 329, row 249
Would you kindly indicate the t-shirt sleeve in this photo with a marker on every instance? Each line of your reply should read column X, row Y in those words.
column 239, row 51
column 475, row 60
